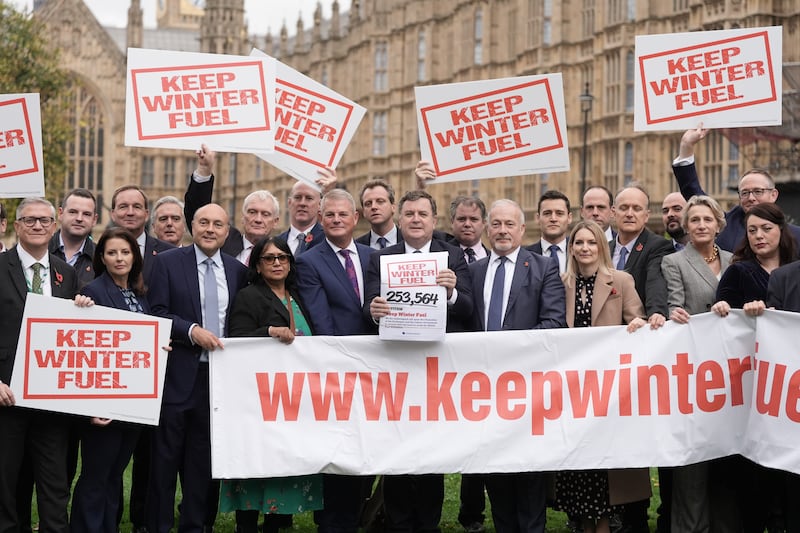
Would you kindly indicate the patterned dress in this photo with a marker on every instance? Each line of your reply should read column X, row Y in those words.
column 278, row 495
column 584, row 493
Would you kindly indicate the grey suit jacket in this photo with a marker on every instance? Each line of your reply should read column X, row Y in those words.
column 691, row 284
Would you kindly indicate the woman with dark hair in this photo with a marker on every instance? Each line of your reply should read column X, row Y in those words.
column 106, row 445
column 270, row 306
column 745, row 496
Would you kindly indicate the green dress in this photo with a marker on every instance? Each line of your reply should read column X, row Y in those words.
column 278, row 495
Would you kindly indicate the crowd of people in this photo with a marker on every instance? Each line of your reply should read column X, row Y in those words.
column 214, row 280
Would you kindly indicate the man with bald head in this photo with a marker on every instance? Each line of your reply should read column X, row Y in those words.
column 193, row 286
column 756, row 186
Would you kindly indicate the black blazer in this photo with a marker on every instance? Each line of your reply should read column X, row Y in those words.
column 256, row 308
column 83, row 264
column 317, row 235
column 152, row 247
column 644, row 264
column 105, row 292
column 783, row 289
column 14, row 292
column 459, row 315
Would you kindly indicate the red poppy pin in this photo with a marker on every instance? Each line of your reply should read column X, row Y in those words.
column 639, row 247
column 309, row 238
column 525, row 263
column 59, row 279
column 613, row 291
column 155, row 253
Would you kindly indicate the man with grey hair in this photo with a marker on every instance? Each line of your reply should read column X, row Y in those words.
column 166, row 220
column 330, row 278
column 516, row 289
column 260, row 210
column 30, row 268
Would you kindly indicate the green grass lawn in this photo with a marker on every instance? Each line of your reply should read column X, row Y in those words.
column 556, row 521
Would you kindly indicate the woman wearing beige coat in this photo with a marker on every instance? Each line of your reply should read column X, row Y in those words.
column 598, row 295
column 692, row 276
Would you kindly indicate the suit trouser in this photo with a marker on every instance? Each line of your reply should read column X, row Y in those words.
column 518, row 501
column 181, row 443
column 45, row 435
column 413, row 503
column 691, row 510
column 105, row 453
column 473, row 499
column 344, row 498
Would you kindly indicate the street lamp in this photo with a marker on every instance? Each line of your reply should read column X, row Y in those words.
column 586, row 99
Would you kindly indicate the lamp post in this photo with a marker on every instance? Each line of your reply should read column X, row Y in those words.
column 586, row 99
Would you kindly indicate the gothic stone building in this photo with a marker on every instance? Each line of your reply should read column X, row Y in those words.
column 378, row 51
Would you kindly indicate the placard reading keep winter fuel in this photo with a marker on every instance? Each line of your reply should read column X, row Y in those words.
column 726, row 78
column 493, row 128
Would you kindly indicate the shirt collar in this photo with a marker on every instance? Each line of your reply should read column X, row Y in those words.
column 512, row 257
column 201, row 256
column 351, row 247
column 424, row 249
column 28, row 260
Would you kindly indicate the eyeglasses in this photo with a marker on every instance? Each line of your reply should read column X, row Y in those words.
column 758, row 193
column 30, row 222
column 270, row 258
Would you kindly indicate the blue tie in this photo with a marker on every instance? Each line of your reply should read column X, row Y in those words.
column 301, row 244
column 553, row 250
column 211, row 302
column 382, row 242
column 494, row 322
column 623, row 255
column 470, row 255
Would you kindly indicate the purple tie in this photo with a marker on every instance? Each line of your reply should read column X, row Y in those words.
column 350, row 269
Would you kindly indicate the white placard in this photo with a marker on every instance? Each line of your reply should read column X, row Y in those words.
column 418, row 306
column 182, row 99
column 313, row 124
column 95, row 361
column 725, row 78
column 493, row 128
column 21, row 167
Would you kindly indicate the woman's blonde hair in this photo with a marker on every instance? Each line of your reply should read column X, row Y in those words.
column 701, row 199
column 604, row 254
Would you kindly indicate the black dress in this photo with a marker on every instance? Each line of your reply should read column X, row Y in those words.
column 584, row 493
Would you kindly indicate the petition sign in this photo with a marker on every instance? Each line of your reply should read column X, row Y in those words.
column 493, row 128
column 94, row 361
column 21, row 170
column 728, row 78
column 180, row 99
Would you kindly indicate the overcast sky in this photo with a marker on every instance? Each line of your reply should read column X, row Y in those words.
column 261, row 15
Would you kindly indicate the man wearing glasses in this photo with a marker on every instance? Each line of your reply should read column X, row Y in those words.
column 756, row 186
column 29, row 268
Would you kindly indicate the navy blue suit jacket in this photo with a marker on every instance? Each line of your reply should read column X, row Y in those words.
column 105, row 292
column 332, row 305
column 152, row 247
column 175, row 294
column 316, row 232
column 783, row 290
column 459, row 315
column 537, row 299
column 733, row 233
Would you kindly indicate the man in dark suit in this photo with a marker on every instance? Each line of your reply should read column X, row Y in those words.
column 468, row 220
column 193, row 286
column 130, row 210
column 414, row 502
column 378, row 206
column 304, row 230
column 756, row 186
column 596, row 205
column 28, row 267
column 554, row 217
column 638, row 251
column 72, row 242
column 260, row 209
column 526, row 294
column 3, row 226
column 330, row 278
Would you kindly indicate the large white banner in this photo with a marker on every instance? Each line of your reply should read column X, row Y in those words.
column 509, row 401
